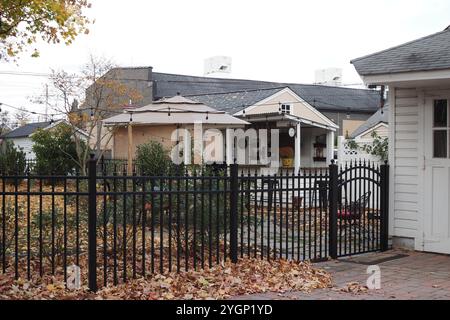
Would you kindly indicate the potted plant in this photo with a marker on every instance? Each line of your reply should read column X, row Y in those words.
column 287, row 156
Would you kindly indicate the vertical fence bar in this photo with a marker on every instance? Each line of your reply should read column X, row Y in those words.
column 29, row 228
column 194, row 216
column 133, row 218
column 116, row 279
column 202, row 219
column 3, row 225
column 234, row 188
column 218, row 180
column 384, row 207
column 210, row 225
column 64, row 230
column 179, row 174
column 144, row 225
column 169, row 225
column 92, row 225
column 16, row 228
column 41, row 243
column 161, row 225
column 333, row 209
column 124, row 226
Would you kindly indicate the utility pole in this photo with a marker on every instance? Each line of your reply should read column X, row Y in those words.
column 46, row 102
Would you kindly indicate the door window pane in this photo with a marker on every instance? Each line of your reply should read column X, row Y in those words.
column 440, row 144
column 440, row 113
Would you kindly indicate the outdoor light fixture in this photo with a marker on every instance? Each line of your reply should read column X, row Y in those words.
column 292, row 132
column 319, row 146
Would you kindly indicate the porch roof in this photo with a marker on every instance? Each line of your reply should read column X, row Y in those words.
column 289, row 117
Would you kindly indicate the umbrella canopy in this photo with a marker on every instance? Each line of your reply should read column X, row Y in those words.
column 175, row 110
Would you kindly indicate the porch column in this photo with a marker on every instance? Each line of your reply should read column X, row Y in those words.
column 198, row 142
column 298, row 139
column 187, row 146
column 330, row 146
column 229, row 157
column 130, row 150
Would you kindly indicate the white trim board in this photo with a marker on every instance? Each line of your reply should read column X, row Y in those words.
column 407, row 76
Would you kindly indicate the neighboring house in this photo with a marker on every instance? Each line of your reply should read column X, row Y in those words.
column 304, row 133
column 378, row 123
column 281, row 108
column 418, row 76
column 363, row 136
column 160, row 120
column 22, row 136
column 346, row 107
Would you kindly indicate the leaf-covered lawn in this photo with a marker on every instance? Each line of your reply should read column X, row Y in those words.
column 248, row 276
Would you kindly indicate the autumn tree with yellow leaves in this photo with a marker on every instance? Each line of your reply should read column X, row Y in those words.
column 24, row 22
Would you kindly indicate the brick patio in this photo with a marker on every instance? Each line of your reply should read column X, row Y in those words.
column 404, row 275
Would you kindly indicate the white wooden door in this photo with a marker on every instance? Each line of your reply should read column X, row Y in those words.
column 437, row 175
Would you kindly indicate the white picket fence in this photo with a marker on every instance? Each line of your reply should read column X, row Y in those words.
column 347, row 155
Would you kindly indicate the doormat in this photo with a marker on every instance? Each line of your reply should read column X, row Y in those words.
column 370, row 260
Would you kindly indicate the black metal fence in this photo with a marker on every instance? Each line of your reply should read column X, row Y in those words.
column 117, row 227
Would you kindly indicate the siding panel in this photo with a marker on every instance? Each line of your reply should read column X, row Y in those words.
column 406, row 137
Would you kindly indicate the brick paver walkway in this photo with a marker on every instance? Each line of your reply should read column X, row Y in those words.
column 404, row 275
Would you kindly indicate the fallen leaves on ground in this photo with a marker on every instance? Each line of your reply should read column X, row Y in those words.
column 353, row 287
column 248, row 276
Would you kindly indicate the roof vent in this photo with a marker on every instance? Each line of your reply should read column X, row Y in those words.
column 329, row 77
column 217, row 66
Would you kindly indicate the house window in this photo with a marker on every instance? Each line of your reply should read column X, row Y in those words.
column 441, row 129
column 286, row 108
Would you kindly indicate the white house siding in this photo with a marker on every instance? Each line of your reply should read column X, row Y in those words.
column 26, row 145
column 382, row 131
column 404, row 158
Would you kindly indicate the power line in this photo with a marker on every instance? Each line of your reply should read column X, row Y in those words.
column 24, row 73
column 30, row 112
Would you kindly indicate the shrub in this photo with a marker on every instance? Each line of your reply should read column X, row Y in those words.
column 152, row 159
column 55, row 151
column 12, row 161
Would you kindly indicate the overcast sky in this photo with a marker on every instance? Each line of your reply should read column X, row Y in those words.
column 278, row 40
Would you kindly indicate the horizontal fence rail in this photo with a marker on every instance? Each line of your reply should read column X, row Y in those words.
column 117, row 227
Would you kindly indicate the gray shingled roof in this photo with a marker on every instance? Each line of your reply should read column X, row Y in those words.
column 379, row 116
column 26, row 130
column 324, row 98
column 233, row 102
column 424, row 54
